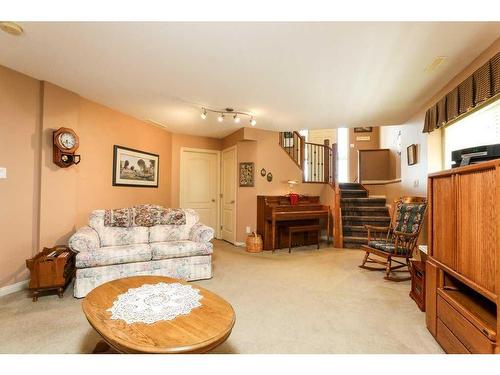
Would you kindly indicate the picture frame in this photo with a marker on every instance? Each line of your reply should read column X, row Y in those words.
column 135, row 168
column 247, row 171
column 411, row 153
column 363, row 138
column 365, row 129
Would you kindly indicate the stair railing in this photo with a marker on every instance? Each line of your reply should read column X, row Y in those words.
column 293, row 144
column 318, row 162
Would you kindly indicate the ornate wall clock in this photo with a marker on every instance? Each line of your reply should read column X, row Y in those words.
column 65, row 144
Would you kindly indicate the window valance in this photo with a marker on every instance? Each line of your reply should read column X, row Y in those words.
column 483, row 84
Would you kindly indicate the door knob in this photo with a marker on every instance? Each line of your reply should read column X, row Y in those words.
column 232, row 202
column 213, row 200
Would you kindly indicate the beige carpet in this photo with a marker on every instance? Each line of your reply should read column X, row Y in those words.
column 310, row 301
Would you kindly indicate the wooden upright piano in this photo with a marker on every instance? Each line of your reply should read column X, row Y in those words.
column 275, row 213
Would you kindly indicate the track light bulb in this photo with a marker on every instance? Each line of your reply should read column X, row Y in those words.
column 220, row 118
column 237, row 119
column 204, row 114
column 253, row 122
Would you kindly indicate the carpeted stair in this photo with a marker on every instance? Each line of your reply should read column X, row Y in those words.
column 359, row 209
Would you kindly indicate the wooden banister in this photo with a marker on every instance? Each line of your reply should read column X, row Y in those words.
column 338, row 237
column 317, row 161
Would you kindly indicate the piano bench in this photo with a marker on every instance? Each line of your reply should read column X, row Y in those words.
column 302, row 229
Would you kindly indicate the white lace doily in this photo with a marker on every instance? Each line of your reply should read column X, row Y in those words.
column 154, row 302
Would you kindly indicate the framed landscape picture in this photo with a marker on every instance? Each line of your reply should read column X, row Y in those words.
column 134, row 168
column 411, row 153
column 366, row 129
column 247, row 174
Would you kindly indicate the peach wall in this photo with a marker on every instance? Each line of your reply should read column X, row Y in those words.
column 233, row 138
column 58, row 195
column 42, row 204
column 19, row 153
column 68, row 195
column 179, row 141
column 374, row 165
column 266, row 153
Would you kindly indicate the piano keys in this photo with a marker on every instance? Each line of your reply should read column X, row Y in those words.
column 275, row 214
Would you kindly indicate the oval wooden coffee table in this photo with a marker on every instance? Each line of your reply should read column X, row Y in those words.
column 203, row 329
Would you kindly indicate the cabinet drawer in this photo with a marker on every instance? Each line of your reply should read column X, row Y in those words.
column 468, row 334
column 449, row 341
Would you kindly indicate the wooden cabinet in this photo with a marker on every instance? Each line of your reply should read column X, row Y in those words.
column 417, row 292
column 476, row 220
column 443, row 216
column 462, row 276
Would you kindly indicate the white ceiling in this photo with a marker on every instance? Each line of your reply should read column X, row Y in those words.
column 290, row 75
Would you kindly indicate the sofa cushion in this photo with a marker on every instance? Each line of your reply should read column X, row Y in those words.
column 178, row 249
column 114, row 255
column 116, row 236
column 162, row 233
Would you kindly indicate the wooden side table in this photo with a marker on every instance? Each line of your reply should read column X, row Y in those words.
column 51, row 269
column 417, row 292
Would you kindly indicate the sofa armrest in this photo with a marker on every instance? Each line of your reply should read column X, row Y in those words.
column 85, row 239
column 201, row 233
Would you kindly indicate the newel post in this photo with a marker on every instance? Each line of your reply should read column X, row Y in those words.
column 326, row 161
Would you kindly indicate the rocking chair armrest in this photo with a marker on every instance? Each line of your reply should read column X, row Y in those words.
column 376, row 229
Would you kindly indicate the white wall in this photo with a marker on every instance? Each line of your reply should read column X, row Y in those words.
column 413, row 177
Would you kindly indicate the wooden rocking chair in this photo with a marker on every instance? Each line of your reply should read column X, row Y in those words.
column 397, row 242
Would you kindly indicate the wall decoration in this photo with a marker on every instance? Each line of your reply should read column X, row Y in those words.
column 263, row 172
column 363, row 138
column 397, row 142
column 269, row 177
column 135, row 168
column 411, row 152
column 65, row 142
column 247, row 174
column 366, row 129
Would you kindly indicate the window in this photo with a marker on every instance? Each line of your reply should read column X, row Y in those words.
column 343, row 154
column 305, row 133
column 477, row 129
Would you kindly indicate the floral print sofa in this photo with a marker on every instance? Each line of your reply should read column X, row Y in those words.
column 106, row 253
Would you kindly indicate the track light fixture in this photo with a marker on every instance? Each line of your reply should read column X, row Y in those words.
column 228, row 111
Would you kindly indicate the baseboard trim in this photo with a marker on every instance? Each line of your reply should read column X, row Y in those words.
column 381, row 182
column 9, row 289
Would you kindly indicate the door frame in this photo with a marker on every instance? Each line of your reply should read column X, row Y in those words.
column 217, row 179
column 235, row 242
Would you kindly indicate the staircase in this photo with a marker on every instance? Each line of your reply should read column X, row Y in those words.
column 352, row 207
column 317, row 161
column 358, row 209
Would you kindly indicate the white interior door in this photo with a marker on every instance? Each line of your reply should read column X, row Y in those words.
column 199, row 185
column 228, row 200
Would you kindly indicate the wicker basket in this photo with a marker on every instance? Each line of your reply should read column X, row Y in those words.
column 254, row 243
